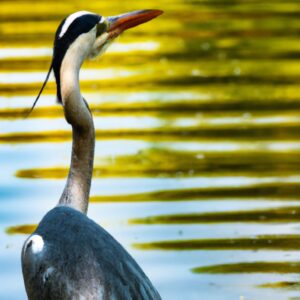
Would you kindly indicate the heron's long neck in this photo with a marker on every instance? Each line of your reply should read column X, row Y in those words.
column 77, row 113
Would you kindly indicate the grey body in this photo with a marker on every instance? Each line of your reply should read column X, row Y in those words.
column 80, row 260
column 69, row 256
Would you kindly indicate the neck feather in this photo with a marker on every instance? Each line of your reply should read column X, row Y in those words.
column 77, row 113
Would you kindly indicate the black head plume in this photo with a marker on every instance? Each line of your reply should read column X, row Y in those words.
column 40, row 92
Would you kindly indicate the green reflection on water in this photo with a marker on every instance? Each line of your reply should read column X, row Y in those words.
column 253, row 267
column 269, row 242
column 21, row 229
column 187, row 134
column 170, row 163
column 278, row 215
column 287, row 285
column 284, row 191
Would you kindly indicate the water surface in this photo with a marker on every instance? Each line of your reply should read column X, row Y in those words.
column 198, row 147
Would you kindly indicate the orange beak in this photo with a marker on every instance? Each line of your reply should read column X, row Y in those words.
column 122, row 22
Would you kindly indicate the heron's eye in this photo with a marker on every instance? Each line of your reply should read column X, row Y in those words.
column 101, row 28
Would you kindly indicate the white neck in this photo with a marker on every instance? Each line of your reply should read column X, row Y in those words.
column 77, row 113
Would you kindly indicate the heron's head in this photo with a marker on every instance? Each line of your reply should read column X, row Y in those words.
column 83, row 34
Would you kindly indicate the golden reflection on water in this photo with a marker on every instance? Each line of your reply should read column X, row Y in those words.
column 219, row 77
column 169, row 163
column 21, row 229
column 267, row 191
column 289, row 285
column 257, row 267
column 270, row 242
column 278, row 215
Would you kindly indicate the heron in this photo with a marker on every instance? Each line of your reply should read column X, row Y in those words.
column 69, row 256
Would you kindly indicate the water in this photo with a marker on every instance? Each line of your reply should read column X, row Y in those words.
column 198, row 147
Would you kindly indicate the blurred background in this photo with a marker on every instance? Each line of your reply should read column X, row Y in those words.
column 198, row 142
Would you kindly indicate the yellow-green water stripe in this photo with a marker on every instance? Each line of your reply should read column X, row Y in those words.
column 188, row 31
column 285, row 285
column 170, row 163
column 21, row 229
column 183, row 77
column 35, row 63
column 199, row 110
column 215, row 96
column 164, row 80
column 207, row 68
column 256, row 9
column 253, row 267
column 267, row 191
column 287, row 132
column 190, row 46
column 281, row 112
column 268, row 242
column 271, row 215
